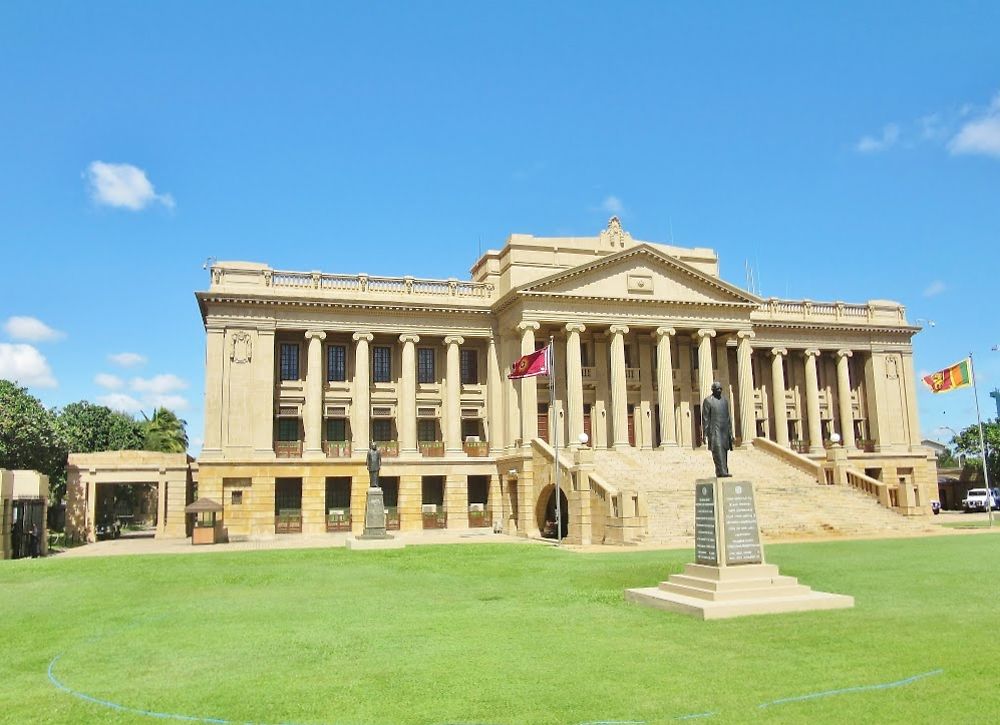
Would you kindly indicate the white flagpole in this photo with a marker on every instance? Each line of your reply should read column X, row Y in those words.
column 551, row 355
column 982, row 444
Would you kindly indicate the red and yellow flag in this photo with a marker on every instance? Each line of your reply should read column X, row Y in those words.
column 532, row 364
column 958, row 375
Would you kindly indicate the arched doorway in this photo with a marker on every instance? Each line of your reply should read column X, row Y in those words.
column 546, row 512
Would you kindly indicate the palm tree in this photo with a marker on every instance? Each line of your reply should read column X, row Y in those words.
column 165, row 432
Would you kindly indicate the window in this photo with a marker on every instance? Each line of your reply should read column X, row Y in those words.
column 628, row 357
column 469, row 367
column 289, row 361
column 237, row 498
column 426, row 430
column 425, row 365
column 288, row 429
column 336, row 430
column 470, row 428
column 381, row 364
column 381, row 429
column 336, row 363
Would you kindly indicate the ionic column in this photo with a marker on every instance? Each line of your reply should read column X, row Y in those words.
column 665, row 385
column 312, row 413
column 574, row 383
column 744, row 374
column 453, row 407
column 704, row 372
column 812, row 402
column 778, row 396
column 844, row 398
column 407, row 417
column 529, row 387
column 361, row 407
column 494, row 398
column 705, row 363
column 619, row 391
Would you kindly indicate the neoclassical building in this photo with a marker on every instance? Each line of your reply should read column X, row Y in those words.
column 304, row 369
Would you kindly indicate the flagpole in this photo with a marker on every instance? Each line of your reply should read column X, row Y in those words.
column 555, row 434
column 982, row 443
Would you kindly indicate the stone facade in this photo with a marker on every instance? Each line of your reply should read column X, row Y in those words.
column 303, row 369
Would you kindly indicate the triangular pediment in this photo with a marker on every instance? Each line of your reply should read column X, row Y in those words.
column 641, row 273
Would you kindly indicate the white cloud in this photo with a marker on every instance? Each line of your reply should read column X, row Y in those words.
column 123, row 186
column 981, row 135
column 127, row 359
column 111, row 382
column 174, row 402
column 120, row 401
column 25, row 365
column 935, row 288
column 31, row 329
column 871, row 144
column 612, row 205
column 158, row 384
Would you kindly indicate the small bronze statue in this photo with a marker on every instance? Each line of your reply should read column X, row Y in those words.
column 374, row 461
column 717, row 425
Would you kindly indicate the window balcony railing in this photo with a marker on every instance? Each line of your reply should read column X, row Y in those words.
column 389, row 449
column 337, row 449
column 338, row 520
column 391, row 518
column 866, row 444
column 476, row 449
column 588, row 373
column 288, row 521
column 434, row 516
column 632, row 375
column 479, row 517
column 431, row 449
column 288, row 449
column 799, row 446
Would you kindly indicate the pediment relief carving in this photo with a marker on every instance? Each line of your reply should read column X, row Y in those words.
column 641, row 273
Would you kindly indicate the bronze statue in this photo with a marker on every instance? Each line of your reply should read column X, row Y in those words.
column 374, row 462
column 717, row 425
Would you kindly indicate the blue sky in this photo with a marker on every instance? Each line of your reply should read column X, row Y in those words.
column 850, row 151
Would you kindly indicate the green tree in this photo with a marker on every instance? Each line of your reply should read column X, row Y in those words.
column 165, row 432
column 29, row 435
column 967, row 442
column 87, row 428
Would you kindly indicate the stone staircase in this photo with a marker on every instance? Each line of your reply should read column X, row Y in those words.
column 790, row 504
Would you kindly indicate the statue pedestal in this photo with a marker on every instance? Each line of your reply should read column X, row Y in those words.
column 731, row 578
column 374, row 536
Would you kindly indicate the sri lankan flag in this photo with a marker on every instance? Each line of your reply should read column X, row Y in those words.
column 958, row 375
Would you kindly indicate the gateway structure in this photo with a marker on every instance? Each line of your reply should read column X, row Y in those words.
column 305, row 369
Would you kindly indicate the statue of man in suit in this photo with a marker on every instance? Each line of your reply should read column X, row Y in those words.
column 717, row 424
column 374, row 461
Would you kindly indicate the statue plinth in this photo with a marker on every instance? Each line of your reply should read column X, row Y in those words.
column 731, row 578
column 375, row 515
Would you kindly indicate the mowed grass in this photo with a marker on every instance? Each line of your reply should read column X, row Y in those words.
column 495, row 634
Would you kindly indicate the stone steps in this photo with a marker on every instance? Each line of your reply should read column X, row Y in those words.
column 789, row 502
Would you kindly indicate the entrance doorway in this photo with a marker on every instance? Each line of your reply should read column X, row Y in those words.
column 547, row 513
column 288, row 506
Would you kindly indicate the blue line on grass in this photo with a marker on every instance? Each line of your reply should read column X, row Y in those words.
column 847, row 690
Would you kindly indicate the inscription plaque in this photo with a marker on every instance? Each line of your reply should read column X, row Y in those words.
column 740, row 524
column 705, row 546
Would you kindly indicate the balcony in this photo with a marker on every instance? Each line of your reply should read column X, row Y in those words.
column 337, row 449
column 476, row 449
column 389, row 449
column 632, row 376
column 431, row 449
column 288, row 449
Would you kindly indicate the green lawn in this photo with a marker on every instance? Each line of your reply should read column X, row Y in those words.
column 495, row 634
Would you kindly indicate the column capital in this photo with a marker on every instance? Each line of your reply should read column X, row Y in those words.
column 746, row 334
column 812, row 352
column 704, row 333
column 576, row 327
column 779, row 351
column 454, row 340
column 409, row 338
column 663, row 332
column 845, row 353
column 618, row 329
column 527, row 325
column 317, row 334
column 359, row 336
